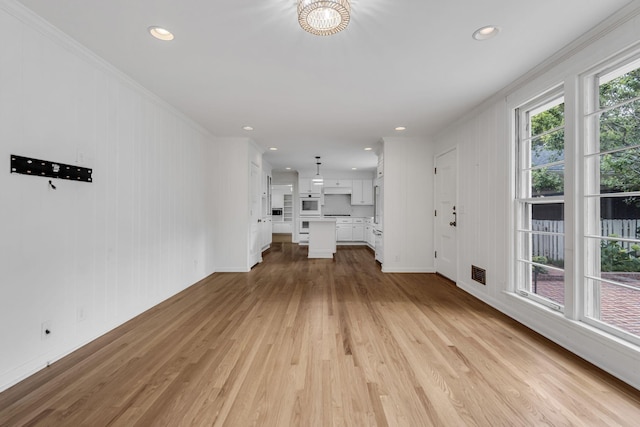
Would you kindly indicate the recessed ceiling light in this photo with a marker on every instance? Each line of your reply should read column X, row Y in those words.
column 485, row 33
column 160, row 33
column 273, row 148
column 288, row 169
column 249, row 128
column 368, row 149
column 354, row 169
column 401, row 128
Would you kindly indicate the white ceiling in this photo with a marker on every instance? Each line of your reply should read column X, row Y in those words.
column 406, row 63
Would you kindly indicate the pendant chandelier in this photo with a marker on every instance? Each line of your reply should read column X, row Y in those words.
column 323, row 17
column 317, row 180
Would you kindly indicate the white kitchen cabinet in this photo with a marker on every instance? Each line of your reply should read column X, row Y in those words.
column 282, row 227
column 350, row 230
column 336, row 182
column 305, row 186
column 344, row 232
column 358, row 233
column 369, row 233
column 277, row 200
column 266, row 233
column 344, row 229
column 362, row 192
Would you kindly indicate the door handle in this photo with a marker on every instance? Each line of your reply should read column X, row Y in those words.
column 455, row 218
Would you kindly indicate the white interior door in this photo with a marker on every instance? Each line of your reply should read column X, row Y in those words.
column 446, row 214
column 255, row 214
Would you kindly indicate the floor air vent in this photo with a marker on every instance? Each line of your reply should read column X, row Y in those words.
column 479, row 274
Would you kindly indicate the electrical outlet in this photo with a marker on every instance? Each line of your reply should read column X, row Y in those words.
column 46, row 330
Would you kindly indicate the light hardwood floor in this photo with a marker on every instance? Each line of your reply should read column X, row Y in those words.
column 299, row 342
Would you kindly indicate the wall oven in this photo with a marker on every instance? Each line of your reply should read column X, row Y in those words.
column 310, row 205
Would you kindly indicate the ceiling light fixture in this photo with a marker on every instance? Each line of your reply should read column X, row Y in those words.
column 401, row 128
column 485, row 33
column 247, row 128
column 317, row 180
column 368, row 149
column 273, row 148
column 324, row 17
column 160, row 33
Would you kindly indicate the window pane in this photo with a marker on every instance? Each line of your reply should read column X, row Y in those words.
column 547, row 148
column 540, row 239
column 616, row 305
column 544, row 249
column 548, row 119
column 617, row 256
column 553, row 212
column 546, row 282
column 547, row 250
column 620, row 89
column 620, row 127
column 620, row 171
column 547, row 181
column 547, row 217
column 620, row 217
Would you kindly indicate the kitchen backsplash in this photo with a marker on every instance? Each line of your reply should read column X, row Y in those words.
column 340, row 204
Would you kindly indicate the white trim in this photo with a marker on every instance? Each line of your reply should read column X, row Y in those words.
column 386, row 269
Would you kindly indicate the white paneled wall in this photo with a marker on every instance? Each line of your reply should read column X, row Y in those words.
column 87, row 257
column 408, row 205
column 482, row 201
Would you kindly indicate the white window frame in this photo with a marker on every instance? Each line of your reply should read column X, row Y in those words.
column 522, row 266
column 590, row 125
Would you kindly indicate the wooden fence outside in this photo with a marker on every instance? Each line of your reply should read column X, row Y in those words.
column 552, row 247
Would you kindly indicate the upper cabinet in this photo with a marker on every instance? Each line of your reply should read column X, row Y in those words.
column 277, row 199
column 334, row 182
column 305, row 186
column 362, row 192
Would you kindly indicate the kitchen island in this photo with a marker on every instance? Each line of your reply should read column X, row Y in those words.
column 322, row 237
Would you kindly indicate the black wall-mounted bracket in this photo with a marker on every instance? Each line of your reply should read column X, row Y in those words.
column 36, row 167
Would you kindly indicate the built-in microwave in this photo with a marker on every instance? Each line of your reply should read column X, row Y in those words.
column 310, row 205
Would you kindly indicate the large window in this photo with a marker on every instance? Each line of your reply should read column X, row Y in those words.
column 602, row 211
column 612, row 200
column 540, row 200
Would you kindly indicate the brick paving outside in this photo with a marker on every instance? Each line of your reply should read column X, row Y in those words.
column 619, row 306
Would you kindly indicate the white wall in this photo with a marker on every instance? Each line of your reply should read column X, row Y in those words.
column 484, row 145
column 408, row 205
column 232, row 209
column 232, row 180
column 89, row 256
